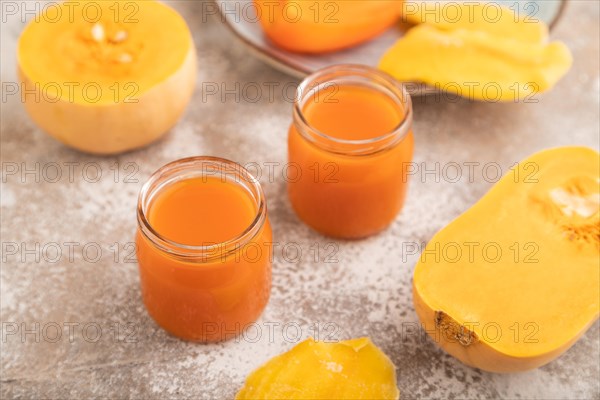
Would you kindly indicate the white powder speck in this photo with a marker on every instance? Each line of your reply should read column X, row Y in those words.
column 334, row 367
column 7, row 197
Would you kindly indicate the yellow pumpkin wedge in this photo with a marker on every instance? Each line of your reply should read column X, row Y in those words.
column 489, row 17
column 108, row 76
column 514, row 281
column 476, row 64
column 352, row 369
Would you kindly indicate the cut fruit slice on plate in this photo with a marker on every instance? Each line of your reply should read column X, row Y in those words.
column 247, row 27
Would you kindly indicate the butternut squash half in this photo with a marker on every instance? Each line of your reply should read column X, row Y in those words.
column 107, row 76
column 514, row 281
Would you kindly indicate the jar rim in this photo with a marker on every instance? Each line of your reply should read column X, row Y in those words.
column 394, row 89
column 195, row 167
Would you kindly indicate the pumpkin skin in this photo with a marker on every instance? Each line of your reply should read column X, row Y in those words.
column 322, row 26
column 523, row 309
column 111, row 85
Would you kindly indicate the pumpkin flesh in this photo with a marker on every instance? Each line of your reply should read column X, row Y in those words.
column 352, row 369
column 527, row 282
column 111, row 84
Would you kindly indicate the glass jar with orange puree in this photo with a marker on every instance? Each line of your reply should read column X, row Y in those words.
column 351, row 140
column 204, row 248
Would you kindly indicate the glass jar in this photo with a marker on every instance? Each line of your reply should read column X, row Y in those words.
column 199, row 281
column 350, row 141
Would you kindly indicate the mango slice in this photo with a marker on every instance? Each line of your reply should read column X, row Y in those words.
column 476, row 64
column 107, row 76
column 352, row 369
column 514, row 282
column 477, row 16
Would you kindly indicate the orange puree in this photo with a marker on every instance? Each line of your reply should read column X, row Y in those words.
column 204, row 252
column 352, row 113
column 202, row 211
column 351, row 140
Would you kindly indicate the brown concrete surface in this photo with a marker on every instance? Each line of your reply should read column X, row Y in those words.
column 115, row 349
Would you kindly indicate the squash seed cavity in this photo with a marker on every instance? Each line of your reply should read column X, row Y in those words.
column 453, row 330
column 572, row 204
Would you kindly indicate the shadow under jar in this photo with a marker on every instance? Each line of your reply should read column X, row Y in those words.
column 349, row 148
column 204, row 248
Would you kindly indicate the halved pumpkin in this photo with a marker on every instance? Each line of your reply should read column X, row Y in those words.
column 515, row 281
column 108, row 76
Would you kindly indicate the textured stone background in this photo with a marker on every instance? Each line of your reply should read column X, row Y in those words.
column 366, row 292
